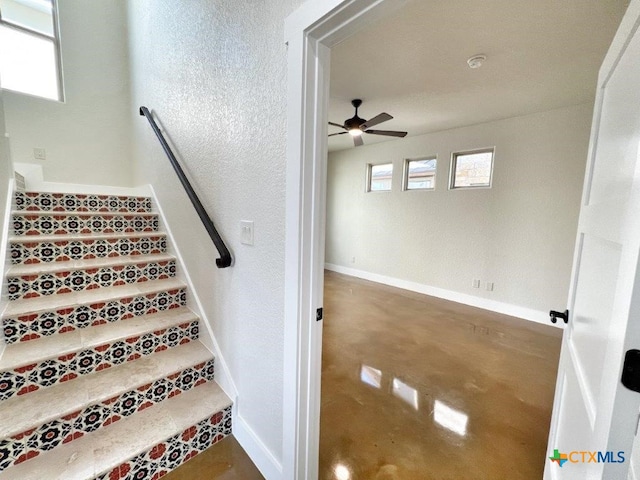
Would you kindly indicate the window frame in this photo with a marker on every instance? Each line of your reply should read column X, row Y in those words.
column 452, row 172
column 55, row 39
column 405, row 174
column 369, row 177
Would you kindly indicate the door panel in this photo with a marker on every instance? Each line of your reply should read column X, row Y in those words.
column 594, row 295
column 593, row 411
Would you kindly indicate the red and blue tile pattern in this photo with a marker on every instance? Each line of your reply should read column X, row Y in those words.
column 68, row 281
column 31, row 326
column 34, row 252
column 72, row 202
column 25, row 445
column 29, row 378
column 166, row 456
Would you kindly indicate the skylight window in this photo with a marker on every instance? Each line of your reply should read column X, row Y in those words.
column 29, row 48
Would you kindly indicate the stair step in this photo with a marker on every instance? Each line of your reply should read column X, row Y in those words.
column 66, row 412
column 28, row 366
column 34, row 223
column 92, row 263
column 30, row 319
column 30, row 281
column 35, row 249
column 81, row 202
column 145, row 445
column 100, row 295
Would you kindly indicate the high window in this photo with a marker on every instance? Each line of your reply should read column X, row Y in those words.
column 379, row 177
column 29, row 48
column 420, row 174
column 472, row 169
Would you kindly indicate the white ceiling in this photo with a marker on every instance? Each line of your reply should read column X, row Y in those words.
column 541, row 54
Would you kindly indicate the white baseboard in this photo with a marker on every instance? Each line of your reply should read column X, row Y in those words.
column 479, row 302
column 223, row 374
column 266, row 462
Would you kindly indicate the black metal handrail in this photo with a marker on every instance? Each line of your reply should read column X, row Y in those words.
column 225, row 259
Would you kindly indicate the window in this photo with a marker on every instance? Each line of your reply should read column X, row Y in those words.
column 472, row 169
column 29, row 50
column 379, row 177
column 420, row 174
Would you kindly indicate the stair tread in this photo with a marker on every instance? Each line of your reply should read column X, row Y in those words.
column 19, row 414
column 82, row 213
column 81, row 237
column 100, row 262
column 108, row 447
column 105, row 294
column 44, row 348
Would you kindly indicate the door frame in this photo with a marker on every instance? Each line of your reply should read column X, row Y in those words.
column 310, row 32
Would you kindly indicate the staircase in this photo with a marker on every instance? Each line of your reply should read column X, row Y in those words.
column 103, row 375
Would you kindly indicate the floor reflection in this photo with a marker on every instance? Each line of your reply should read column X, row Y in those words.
column 420, row 388
column 449, row 418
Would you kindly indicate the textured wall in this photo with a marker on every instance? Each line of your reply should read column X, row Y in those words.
column 519, row 234
column 87, row 138
column 214, row 74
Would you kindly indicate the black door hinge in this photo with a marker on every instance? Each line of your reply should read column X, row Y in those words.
column 319, row 314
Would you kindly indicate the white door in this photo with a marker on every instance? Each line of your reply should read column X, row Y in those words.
column 593, row 413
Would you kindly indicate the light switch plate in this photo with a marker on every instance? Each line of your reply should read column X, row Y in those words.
column 246, row 232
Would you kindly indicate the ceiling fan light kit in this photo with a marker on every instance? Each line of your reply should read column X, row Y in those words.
column 356, row 126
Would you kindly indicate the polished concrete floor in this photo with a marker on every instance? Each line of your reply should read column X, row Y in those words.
column 226, row 460
column 415, row 387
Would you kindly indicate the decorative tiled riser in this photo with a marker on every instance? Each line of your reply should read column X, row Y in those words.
column 30, row 286
column 164, row 457
column 25, row 445
column 79, row 202
column 29, row 378
column 30, row 327
column 33, row 252
column 71, row 224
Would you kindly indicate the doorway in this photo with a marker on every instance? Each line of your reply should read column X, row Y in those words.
column 310, row 32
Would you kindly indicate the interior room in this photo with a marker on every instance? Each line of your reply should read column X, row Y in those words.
column 429, row 271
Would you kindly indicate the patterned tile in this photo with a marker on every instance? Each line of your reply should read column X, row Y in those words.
column 31, row 326
column 62, row 223
column 70, row 427
column 168, row 455
column 34, row 252
column 71, row 214
column 31, row 286
column 60, row 202
column 23, row 380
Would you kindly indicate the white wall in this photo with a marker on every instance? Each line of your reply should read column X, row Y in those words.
column 519, row 234
column 214, row 74
column 87, row 138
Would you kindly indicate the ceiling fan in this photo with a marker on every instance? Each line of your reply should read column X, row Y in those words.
column 356, row 126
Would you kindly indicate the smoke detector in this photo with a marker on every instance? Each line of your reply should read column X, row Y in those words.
column 476, row 61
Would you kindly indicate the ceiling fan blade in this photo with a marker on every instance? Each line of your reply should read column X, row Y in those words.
column 336, row 125
column 383, row 117
column 388, row 133
column 357, row 141
column 334, row 134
